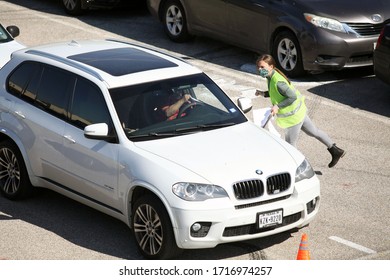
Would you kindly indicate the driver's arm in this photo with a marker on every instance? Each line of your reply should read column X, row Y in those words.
column 174, row 108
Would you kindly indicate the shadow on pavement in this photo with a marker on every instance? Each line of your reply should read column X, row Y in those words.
column 368, row 94
column 88, row 228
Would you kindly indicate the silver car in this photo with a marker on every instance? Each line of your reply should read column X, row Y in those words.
column 302, row 35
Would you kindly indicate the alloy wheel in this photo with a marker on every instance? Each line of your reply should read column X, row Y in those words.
column 287, row 54
column 9, row 171
column 70, row 5
column 174, row 20
column 148, row 229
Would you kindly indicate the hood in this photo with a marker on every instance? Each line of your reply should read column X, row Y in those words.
column 346, row 10
column 6, row 49
column 229, row 154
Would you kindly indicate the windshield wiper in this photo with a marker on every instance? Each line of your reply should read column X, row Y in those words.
column 203, row 127
column 190, row 129
column 152, row 135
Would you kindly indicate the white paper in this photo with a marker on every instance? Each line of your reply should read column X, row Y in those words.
column 260, row 117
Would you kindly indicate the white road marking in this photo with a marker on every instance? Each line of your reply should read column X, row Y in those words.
column 352, row 245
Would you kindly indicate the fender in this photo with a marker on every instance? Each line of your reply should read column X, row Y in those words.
column 152, row 189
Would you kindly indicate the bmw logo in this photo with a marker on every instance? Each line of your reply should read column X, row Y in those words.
column 377, row 18
column 259, row 172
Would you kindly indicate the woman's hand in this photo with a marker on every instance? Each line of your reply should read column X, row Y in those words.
column 274, row 110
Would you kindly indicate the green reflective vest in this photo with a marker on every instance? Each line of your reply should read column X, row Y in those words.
column 292, row 114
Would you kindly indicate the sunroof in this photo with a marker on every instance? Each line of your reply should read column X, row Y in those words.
column 122, row 61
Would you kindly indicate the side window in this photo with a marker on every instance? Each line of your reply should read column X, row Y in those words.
column 88, row 105
column 20, row 78
column 54, row 91
column 30, row 93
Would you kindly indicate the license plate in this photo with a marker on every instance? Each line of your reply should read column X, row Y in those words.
column 271, row 218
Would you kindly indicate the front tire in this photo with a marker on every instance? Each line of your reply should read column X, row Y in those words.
column 152, row 229
column 175, row 22
column 287, row 54
column 14, row 181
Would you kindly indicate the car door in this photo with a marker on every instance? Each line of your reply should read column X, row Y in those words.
column 208, row 16
column 39, row 114
column 249, row 22
column 92, row 164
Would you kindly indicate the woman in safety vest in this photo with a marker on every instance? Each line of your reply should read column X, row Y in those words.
column 288, row 105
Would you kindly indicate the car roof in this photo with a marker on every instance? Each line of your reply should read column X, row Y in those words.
column 114, row 62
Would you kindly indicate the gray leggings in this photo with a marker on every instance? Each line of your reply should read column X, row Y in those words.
column 292, row 133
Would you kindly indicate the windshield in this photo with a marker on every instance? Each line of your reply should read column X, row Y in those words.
column 174, row 107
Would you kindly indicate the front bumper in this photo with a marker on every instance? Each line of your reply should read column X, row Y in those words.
column 233, row 224
column 325, row 50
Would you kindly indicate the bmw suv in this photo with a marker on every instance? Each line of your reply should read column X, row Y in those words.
column 150, row 140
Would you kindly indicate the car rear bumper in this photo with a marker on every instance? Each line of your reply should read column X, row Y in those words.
column 235, row 224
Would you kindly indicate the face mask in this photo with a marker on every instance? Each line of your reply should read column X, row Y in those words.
column 263, row 72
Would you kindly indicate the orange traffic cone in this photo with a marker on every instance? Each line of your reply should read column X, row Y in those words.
column 303, row 252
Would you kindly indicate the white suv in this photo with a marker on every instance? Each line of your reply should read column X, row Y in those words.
column 150, row 140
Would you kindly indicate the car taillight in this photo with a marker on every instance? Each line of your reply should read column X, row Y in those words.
column 379, row 41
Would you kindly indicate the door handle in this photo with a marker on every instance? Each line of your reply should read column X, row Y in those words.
column 20, row 114
column 70, row 139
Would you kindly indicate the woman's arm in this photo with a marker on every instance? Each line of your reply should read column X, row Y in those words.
column 288, row 92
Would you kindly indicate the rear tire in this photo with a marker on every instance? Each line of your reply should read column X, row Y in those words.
column 287, row 54
column 175, row 22
column 152, row 229
column 72, row 7
column 14, row 180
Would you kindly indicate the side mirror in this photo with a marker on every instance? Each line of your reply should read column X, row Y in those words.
column 13, row 30
column 96, row 131
column 245, row 104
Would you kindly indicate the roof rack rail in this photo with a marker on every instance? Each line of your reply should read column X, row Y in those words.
column 67, row 62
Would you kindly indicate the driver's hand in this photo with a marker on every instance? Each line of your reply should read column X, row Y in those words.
column 186, row 97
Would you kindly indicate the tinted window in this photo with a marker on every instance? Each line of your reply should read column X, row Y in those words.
column 30, row 93
column 21, row 77
column 88, row 106
column 54, row 91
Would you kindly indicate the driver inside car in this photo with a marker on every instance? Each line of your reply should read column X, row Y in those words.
column 170, row 107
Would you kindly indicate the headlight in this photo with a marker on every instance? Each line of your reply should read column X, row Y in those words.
column 304, row 171
column 326, row 23
column 197, row 192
